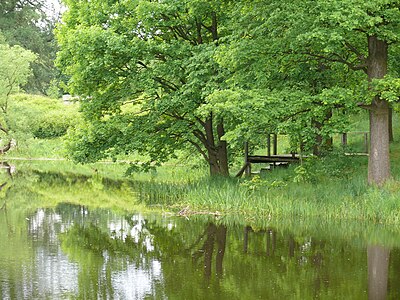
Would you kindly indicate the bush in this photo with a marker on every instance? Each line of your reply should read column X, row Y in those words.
column 52, row 125
column 334, row 165
column 42, row 117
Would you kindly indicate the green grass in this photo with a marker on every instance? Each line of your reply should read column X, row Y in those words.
column 335, row 189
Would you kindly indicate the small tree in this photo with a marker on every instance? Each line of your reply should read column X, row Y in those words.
column 14, row 72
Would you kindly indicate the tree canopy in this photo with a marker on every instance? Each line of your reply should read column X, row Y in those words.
column 330, row 56
column 143, row 70
column 158, row 76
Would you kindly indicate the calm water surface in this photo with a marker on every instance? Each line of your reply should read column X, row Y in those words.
column 77, row 252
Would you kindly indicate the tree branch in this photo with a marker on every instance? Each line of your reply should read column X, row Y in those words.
column 198, row 148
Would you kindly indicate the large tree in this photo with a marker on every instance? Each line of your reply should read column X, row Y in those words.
column 322, row 35
column 143, row 70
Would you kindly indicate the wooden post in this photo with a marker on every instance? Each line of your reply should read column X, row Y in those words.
column 269, row 144
column 275, row 136
column 246, row 159
column 344, row 139
column 366, row 142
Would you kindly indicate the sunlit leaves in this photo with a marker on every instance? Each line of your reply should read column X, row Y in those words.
column 14, row 68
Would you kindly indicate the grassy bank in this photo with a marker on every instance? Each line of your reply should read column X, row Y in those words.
column 297, row 193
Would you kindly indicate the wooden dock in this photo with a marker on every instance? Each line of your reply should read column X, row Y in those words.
column 274, row 160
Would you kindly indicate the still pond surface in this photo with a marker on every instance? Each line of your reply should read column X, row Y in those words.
column 70, row 251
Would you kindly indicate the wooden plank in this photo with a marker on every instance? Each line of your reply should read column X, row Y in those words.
column 241, row 171
column 271, row 159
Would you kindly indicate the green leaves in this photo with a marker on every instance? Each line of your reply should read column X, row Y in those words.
column 387, row 88
column 15, row 68
column 142, row 70
column 155, row 76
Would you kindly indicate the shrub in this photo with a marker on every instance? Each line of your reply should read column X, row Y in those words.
column 42, row 117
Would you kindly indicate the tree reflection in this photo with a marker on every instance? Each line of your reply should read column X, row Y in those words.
column 270, row 239
column 378, row 271
column 15, row 255
column 214, row 236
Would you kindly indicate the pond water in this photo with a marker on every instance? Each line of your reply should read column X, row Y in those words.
column 71, row 251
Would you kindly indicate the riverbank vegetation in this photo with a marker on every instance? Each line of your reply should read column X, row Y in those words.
column 332, row 188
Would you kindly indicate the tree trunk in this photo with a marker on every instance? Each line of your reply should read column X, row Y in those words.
column 378, row 163
column 218, row 163
column 391, row 138
column 318, row 138
column 222, row 151
column 216, row 150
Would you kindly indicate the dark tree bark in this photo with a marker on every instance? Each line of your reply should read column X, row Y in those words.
column 322, row 143
column 217, row 153
column 379, row 163
column 318, row 139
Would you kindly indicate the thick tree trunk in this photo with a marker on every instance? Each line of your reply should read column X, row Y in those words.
column 322, row 143
column 218, row 163
column 318, row 138
column 216, row 149
column 379, row 162
column 222, row 151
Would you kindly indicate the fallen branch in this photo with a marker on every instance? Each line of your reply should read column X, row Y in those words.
column 187, row 212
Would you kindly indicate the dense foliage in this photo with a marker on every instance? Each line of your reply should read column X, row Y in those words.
column 144, row 69
column 155, row 77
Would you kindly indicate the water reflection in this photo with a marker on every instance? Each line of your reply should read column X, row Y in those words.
column 378, row 271
column 77, row 252
column 214, row 238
